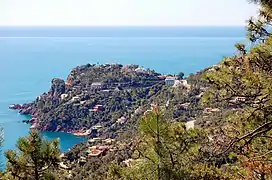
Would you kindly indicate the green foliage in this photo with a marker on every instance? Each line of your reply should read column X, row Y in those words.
column 166, row 150
column 259, row 29
column 127, row 89
column 180, row 75
column 245, row 81
column 234, row 143
column 35, row 158
column 239, row 144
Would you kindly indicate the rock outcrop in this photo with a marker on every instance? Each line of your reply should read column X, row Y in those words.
column 57, row 87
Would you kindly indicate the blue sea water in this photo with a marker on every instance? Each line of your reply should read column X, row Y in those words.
column 31, row 56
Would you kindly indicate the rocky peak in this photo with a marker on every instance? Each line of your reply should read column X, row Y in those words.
column 57, row 87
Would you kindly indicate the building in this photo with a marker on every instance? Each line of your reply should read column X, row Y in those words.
column 140, row 70
column 76, row 98
column 64, row 96
column 82, row 102
column 95, row 151
column 211, row 110
column 97, row 128
column 97, row 85
column 215, row 110
column 92, row 142
column 108, row 141
column 128, row 162
column 103, row 148
column 122, row 120
column 98, row 108
column 63, row 166
column 170, row 81
column 106, row 91
column 190, row 125
column 162, row 77
column 237, row 100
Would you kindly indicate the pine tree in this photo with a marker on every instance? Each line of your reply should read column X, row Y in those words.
column 260, row 28
column 166, row 150
column 246, row 79
column 34, row 159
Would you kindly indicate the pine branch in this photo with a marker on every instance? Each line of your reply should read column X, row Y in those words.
column 252, row 134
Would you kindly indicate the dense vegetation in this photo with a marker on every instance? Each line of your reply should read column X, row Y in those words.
column 237, row 143
column 35, row 159
column 229, row 105
column 169, row 98
column 68, row 105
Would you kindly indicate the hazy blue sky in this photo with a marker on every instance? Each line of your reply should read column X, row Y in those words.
column 125, row 12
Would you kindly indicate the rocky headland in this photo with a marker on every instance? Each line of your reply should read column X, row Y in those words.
column 92, row 96
column 98, row 100
column 105, row 104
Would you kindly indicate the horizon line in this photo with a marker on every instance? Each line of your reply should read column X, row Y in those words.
column 114, row 37
column 77, row 26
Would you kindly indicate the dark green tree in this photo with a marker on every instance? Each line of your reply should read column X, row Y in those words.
column 260, row 28
column 180, row 75
column 34, row 159
column 167, row 151
column 241, row 145
column 245, row 80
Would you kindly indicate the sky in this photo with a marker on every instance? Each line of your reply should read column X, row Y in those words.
column 125, row 12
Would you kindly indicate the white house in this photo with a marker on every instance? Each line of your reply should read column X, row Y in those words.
column 190, row 125
column 97, row 85
column 63, row 96
column 76, row 98
column 170, row 81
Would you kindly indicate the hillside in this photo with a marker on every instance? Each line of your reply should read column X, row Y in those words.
column 109, row 97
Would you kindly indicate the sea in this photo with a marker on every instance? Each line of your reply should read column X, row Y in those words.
column 31, row 56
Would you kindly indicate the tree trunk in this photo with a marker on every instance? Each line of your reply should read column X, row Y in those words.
column 36, row 171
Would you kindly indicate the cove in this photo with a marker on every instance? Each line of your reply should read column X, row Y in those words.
column 14, row 128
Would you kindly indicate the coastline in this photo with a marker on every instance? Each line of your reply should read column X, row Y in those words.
column 76, row 98
column 31, row 120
